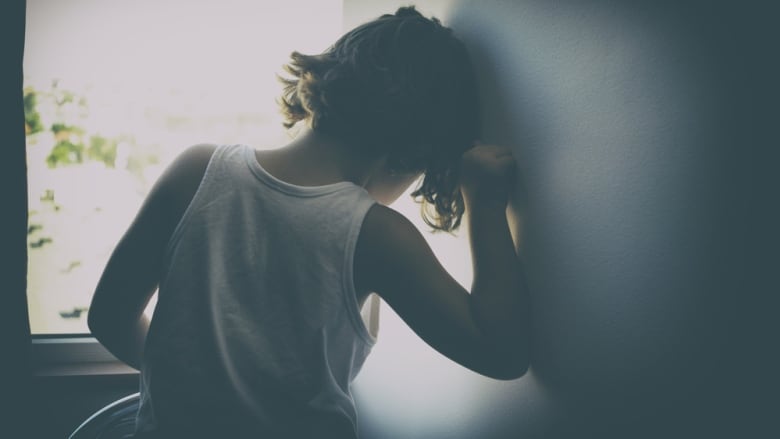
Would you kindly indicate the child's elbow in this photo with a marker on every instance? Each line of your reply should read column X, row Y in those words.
column 507, row 366
column 512, row 370
column 519, row 371
column 98, row 322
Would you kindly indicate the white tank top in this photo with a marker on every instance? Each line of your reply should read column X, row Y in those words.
column 257, row 327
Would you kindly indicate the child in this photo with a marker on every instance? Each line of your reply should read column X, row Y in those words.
column 264, row 258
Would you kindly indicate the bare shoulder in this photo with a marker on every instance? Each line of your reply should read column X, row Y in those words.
column 193, row 160
column 175, row 188
column 381, row 217
column 199, row 152
column 389, row 245
column 384, row 229
column 184, row 174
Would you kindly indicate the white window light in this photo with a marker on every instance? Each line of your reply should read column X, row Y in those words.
column 82, row 58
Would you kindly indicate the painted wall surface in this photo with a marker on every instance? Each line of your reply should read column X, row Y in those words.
column 624, row 119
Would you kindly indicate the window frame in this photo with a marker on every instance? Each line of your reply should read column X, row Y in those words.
column 82, row 354
column 73, row 355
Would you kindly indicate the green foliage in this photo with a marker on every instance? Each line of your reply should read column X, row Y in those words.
column 66, row 98
column 40, row 242
column 69, row 145
column 32, row 119
column 137, row 162
column 73, row 265
column 65, row 153
column 48, row 196
column 62, row 130
column 102, row 149
column 75, row 313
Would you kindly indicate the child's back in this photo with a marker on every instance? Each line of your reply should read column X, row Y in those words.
column 257, row 307
column 263, row 259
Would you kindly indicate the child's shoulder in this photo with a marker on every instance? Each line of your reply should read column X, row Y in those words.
column 387, row 238
column 196, row 155
column 178, row 183
column 188, row 167
column 386, row 222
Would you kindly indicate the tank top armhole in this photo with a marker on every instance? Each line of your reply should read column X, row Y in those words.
column 350, row 294
column 174, row 239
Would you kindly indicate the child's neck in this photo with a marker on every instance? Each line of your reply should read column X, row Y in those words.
column 313, row 159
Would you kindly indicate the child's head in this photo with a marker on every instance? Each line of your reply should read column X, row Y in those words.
column 400, row 87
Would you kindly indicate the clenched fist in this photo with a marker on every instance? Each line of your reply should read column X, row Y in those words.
column 487, row 174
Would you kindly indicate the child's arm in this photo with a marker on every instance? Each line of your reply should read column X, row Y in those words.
column 487, row 330
column 132, row 274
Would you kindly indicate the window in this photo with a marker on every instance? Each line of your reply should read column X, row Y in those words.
column 113, row 91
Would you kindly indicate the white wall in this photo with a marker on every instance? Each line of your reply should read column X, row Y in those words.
column 621, row 117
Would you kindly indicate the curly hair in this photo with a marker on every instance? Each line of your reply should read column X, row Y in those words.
column 401, row 86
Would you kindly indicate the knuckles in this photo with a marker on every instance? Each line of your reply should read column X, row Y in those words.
column 487, row 165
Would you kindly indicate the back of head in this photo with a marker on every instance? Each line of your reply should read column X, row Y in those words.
column 400, row 86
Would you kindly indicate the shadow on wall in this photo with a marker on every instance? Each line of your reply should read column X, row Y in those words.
column 615, row 111
column 629, row 121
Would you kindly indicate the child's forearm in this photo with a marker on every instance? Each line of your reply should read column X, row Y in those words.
column 499, row 299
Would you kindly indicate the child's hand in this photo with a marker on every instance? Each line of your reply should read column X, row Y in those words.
column 487, row 173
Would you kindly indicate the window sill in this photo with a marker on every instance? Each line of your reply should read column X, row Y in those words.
column 75, row 356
